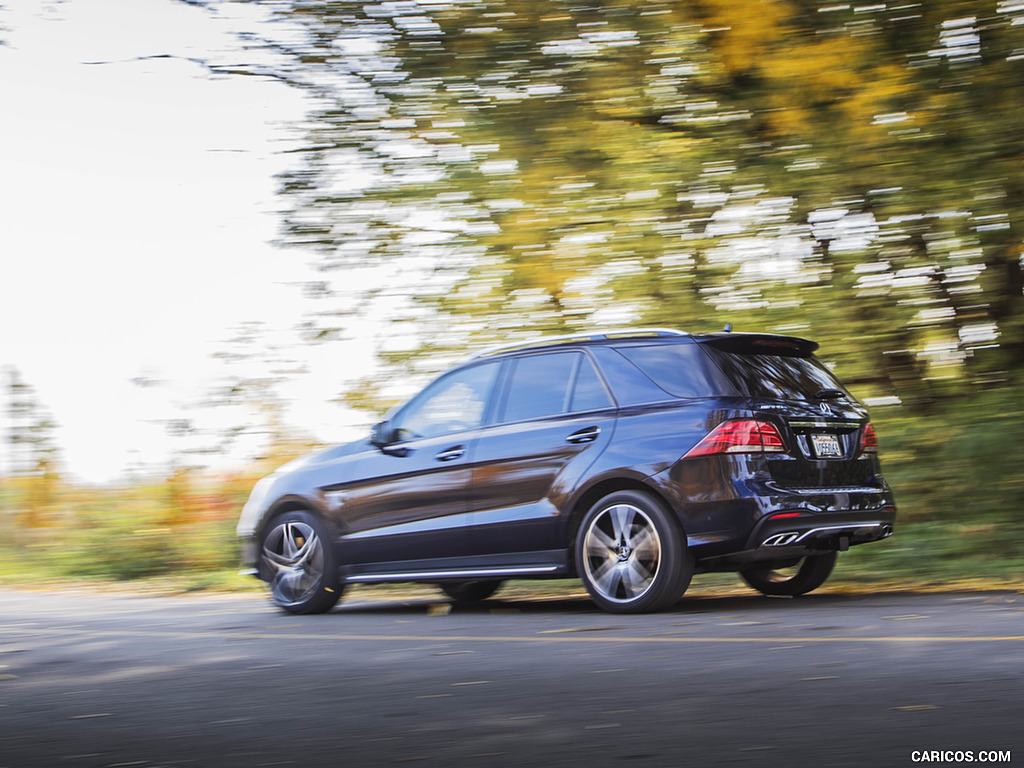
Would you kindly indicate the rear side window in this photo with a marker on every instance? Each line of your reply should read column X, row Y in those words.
column 547, row 385
column 589, row 393
column 775, row 376
column 679, row 369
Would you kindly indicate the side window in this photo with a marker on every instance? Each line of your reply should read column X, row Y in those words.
column 546, row 385
column 539, row 386
column 679, row 369
column 453, row 403
column 589, row 393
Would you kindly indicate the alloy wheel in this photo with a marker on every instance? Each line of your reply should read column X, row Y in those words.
column 622, row 553
column 294, row 558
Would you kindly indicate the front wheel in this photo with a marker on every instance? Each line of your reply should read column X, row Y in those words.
column 299, row 564
column 798, row 579
column 632, row 555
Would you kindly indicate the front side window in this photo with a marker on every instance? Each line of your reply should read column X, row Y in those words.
column 451, row 404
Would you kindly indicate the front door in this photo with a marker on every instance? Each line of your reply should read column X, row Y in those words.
column 411, row 500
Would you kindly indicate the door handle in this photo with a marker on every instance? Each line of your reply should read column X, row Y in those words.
column 584, row 435
column 452, row 453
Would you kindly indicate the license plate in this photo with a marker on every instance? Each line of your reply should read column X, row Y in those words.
column 826, row 446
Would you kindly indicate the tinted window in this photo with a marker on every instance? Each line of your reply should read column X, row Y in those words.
column 776, row 376
column 589, row 392
column 453, row 403
column 679, row 369
column 628, row 384
column 539, row 386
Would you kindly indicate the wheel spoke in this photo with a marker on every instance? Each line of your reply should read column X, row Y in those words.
column 622, row 520
column 599, row 542
column 288, row 542
column 645, row 543
column 607, row 577
column 275, row 559
column 286, row 585
column 311, row 546
column 636, row 577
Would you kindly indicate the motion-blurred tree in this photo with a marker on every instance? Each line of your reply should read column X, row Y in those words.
column 852, row 172
column 33, row 451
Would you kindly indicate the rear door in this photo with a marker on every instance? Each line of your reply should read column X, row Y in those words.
column 554, row 417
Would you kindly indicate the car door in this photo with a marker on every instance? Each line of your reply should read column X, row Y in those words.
column 554, row 417
column 410, row 502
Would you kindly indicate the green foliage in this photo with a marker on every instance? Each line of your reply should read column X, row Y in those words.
column 129, row 533
column 849, row 172
column 957, row 465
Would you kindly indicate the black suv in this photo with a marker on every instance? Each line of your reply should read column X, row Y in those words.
column 631, row 459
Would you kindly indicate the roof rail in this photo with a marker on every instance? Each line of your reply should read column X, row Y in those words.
column 613, row 333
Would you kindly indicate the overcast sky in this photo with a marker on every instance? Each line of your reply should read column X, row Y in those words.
column 136, row 214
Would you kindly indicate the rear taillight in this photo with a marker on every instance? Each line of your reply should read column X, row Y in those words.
column 869, row 440
column 744, row 436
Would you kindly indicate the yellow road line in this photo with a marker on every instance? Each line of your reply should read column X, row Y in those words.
column 227, row 634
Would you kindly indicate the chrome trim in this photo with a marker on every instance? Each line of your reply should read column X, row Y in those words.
column 780, row 539
column 534, row 511
column 786, row 539
column 826, row 424
column 249, row 572
column 470, row 573
column 446, row 522
column 829, row 491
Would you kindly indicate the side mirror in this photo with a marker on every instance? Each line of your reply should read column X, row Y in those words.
column 380, row 434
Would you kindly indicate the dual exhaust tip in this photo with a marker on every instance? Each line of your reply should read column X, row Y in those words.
column 795, row 537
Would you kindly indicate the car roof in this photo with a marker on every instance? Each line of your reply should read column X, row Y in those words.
column 616, row 334
column 727, row 340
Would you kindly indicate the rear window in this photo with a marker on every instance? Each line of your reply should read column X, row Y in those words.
column 679, row 369
column 775, row 376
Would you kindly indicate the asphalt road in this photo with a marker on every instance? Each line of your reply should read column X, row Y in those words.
column 827, row 680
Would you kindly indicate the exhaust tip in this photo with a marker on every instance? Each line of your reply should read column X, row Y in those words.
column 781, row 539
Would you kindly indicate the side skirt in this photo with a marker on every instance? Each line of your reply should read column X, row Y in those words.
column 522, row 565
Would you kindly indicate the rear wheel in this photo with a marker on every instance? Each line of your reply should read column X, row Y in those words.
column 797, row 579
column 299, row 564
column 468, row 592
column 632, row 555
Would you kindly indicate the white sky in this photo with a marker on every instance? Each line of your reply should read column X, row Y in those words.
column 136, row 210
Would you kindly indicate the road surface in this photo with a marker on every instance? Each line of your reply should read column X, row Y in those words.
column 90, row 680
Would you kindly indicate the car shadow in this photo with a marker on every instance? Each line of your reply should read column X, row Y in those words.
column 580, row 604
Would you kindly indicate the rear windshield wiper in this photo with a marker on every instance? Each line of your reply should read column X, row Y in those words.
column 829, row 394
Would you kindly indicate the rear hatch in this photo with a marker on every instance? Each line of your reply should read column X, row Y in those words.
column 821, row 423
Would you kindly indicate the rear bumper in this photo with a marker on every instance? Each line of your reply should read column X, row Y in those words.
column 791, row 534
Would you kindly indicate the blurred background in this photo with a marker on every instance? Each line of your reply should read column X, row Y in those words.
column 234, row 231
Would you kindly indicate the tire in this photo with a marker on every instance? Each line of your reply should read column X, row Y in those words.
column 631, row 554
column 469, row 592
column 806, row 575
column 299, row 564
